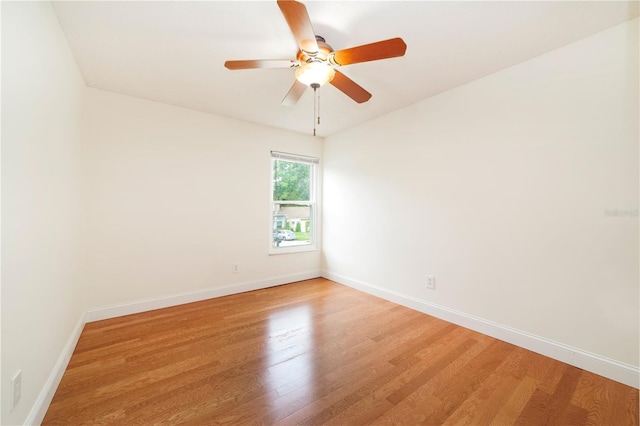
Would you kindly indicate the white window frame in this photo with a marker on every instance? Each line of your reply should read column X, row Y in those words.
column 312, row 203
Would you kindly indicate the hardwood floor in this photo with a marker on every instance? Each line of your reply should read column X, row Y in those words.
column 316, row 352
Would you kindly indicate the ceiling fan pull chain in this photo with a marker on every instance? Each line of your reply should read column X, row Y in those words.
column 316, row 106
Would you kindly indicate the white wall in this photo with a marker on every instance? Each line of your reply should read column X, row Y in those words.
column 499, row 189
column 42, row 248
column 176, row 197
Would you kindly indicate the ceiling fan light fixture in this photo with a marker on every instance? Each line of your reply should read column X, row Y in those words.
column 315, row 73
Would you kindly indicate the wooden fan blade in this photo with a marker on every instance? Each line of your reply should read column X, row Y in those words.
column 298, row 19
column 294, row 94
column 391, row 48
column 260, row 63
column 350, row 88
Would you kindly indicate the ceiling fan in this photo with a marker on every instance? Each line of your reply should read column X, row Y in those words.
column 316, row 62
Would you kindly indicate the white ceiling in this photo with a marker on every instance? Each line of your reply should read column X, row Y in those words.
column 173, row 52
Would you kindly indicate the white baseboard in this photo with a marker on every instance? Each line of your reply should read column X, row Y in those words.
column 138, row 306
column 603, row 366
column 40, row 406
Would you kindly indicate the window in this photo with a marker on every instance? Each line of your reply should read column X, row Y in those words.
column 293, row 203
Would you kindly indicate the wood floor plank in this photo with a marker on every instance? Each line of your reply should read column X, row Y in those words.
column 456, row 391
column 420, row 404
column 513, row 405
column 407, row 369
column 481, row 407
column 316, row 352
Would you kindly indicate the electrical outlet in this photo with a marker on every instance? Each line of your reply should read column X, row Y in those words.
column 431, row 282
column 16, row 388
column 235, row 268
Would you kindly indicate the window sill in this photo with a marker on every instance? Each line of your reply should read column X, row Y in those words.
column 293, row 249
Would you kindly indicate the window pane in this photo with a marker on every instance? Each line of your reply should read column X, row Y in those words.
column 293, row 203
column 292, row 225
column 291, row 181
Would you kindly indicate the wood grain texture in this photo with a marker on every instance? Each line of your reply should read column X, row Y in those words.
column 298, row 19
column 316, row 352
column 385, row 49
column 350, row 88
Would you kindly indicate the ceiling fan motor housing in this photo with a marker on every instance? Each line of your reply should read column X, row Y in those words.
column 324, row 50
